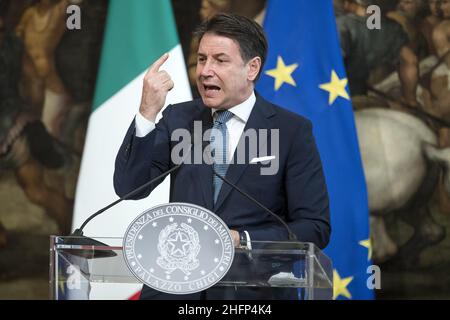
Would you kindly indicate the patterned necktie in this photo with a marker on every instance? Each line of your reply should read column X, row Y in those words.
column 219, row 148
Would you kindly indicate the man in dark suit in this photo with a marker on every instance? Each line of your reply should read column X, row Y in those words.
column 231, row 54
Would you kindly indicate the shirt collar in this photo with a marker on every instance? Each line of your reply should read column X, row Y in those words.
column 242, row 110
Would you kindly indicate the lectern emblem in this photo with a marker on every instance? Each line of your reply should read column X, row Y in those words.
column 178, row 248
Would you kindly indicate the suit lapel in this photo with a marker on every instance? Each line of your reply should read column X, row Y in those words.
column 205, row 173
column 259, row 119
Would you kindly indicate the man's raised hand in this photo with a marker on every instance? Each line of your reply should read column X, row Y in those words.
column 155, row 88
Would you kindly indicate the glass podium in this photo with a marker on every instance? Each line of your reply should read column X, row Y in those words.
column 296, row 270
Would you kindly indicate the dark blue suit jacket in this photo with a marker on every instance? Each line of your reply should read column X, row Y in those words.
column 297, row 192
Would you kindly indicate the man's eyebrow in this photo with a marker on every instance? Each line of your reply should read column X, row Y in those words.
column 217, row 55
column 221, row 55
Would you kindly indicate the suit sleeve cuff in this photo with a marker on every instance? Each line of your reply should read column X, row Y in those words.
column 143, row 126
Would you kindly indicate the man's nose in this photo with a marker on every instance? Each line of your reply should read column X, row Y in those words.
column 207, row 69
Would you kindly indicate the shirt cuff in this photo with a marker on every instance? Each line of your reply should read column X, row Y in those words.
column 249, row 244
column 143, row 126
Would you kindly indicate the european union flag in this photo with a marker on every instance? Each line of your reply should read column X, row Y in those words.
column 304, row 72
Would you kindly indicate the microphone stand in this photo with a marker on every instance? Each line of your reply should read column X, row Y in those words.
column 291, row 235
column 78, row 238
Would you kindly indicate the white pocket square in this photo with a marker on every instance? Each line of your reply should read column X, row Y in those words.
column 262, row 159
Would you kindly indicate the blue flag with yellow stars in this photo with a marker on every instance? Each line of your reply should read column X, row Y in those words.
column 304, row 72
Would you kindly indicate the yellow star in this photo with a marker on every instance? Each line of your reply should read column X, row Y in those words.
column 336, row 87
column 367, row 244
column 282, row 73
column 340, row 286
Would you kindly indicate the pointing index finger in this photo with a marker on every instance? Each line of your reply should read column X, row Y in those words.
column 158, row 63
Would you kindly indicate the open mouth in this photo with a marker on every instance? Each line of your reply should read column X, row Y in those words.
column 211, row 88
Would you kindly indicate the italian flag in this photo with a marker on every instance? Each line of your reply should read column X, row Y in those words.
column 136, row 34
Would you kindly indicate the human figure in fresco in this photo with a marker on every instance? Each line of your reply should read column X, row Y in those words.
column 26, row 147
column 41, row 28
column 408, row 15
column 433, row 92
column 436, row 84
column 441, row 33
column 364, row 50
column 430, row 22
column 435, row 81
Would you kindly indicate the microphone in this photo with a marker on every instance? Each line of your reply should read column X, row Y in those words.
column 291, row 235
column 77, row 234
column 80, row 239
column 79, row 231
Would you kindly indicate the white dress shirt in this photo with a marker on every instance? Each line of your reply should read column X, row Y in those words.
column 235, row 127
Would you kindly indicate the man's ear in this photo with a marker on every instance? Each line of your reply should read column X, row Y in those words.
column 254, row 65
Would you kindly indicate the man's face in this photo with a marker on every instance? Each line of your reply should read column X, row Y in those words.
column 206, row 10
column 445, row 8
column 434, row 7
column 223, row 78
column 409, row 7
column 210, row 8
